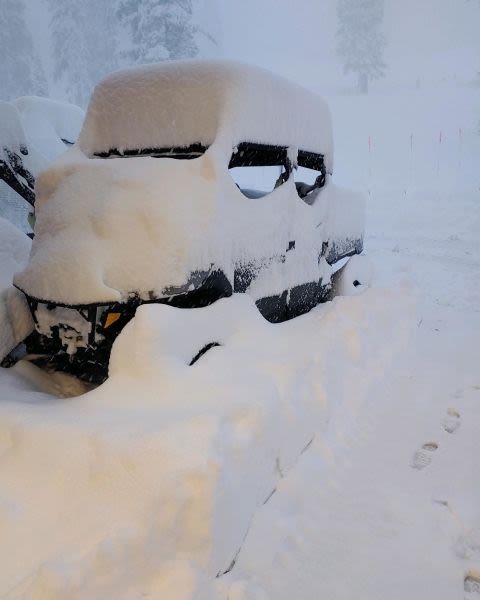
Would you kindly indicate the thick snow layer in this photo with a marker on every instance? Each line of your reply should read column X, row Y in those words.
column 222, row 102
column 141, row 225
column 38, row 126
column 167, row 461
column 47, row 122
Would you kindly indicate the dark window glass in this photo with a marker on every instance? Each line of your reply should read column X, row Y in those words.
column 181, row 152
column 257, row 169
column 309, row 175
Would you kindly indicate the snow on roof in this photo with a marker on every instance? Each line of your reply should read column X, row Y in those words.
column 34, row 128
column 185, row 102
column 47, row 122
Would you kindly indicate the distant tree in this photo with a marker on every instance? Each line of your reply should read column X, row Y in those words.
column 157, row 30
column 84, row 45
column 360, row 40
column 206, row 16
column 20, row 70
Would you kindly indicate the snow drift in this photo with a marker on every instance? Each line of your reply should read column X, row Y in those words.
column 167, row 460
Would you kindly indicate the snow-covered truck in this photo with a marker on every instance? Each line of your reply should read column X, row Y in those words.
column 190, row 181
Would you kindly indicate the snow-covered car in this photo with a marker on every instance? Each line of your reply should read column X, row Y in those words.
column 190, row 181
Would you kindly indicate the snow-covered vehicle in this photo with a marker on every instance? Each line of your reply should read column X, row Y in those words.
column 190, row 181
column 33, row 132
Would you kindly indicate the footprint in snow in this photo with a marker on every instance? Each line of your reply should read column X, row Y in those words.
column 423, row 457
column 471, row 584
column 451, row 422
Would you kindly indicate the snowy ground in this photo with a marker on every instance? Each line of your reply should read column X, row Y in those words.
column 398, row 516
column 118, row 493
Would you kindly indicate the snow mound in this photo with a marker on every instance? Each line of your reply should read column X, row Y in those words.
column 184, row 102
column 148, row 484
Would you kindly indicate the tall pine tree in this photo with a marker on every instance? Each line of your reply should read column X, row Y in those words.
column 84, row 45
column 21, row 72
column 360, row 40
column 158, row 30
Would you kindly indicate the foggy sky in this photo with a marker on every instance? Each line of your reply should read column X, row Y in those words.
column 427, row 39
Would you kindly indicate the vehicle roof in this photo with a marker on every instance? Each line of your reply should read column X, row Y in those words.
column 179, row 103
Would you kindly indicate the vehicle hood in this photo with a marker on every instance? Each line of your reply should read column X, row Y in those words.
column 107, row 229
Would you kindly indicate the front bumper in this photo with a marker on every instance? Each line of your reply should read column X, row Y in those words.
column 78, row 339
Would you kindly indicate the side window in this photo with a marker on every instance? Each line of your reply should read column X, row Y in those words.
column 309, row 175
column 179, row 152
column 258, row 169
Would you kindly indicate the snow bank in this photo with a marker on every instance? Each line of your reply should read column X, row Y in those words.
column 15, row 319
column 185, row 102
column 148, row 484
